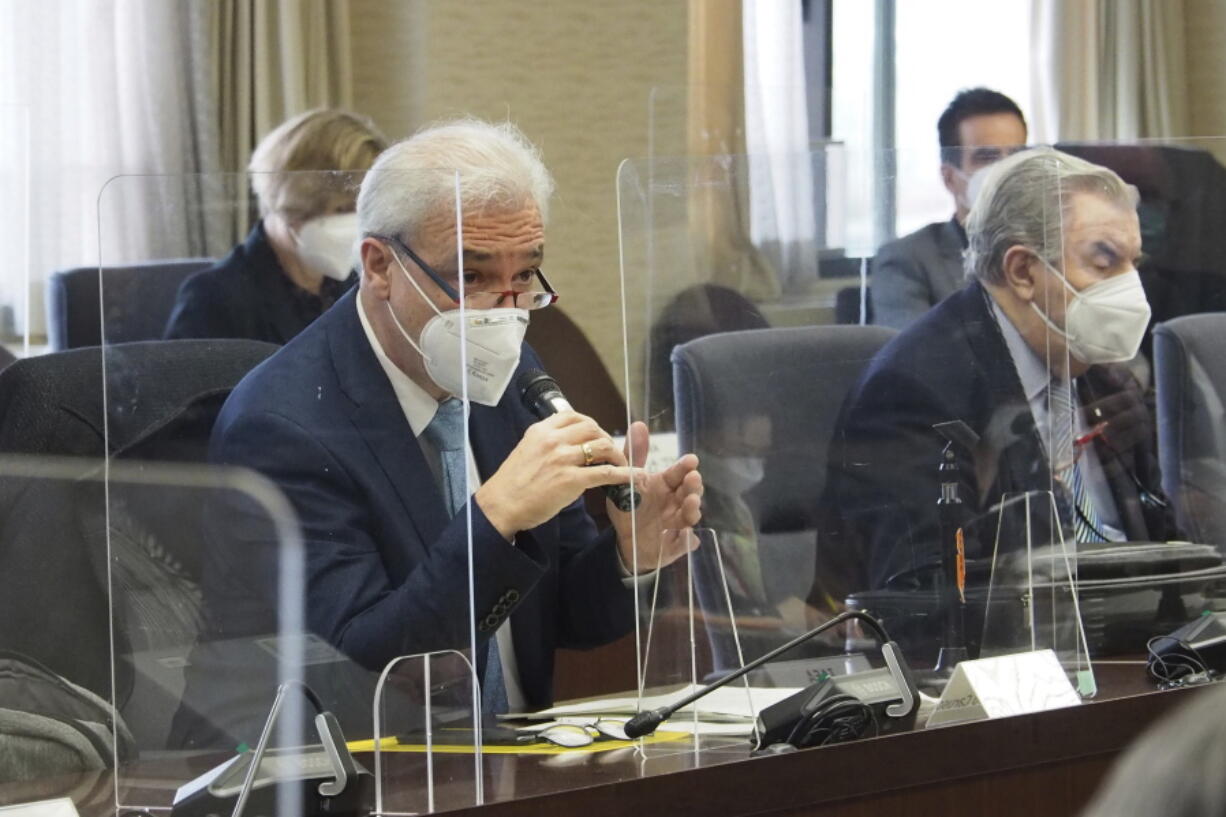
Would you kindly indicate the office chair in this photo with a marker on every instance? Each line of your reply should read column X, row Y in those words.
column 570, row 359
column 1190, row 373
column 695, row 312
column 162, row 399
column 847, row 303
column 6, row 358
column 138, row 301
column 1182, row 207
column 781, row 391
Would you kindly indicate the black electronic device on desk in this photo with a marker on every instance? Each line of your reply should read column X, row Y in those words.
column 1194, row 653
column 257, row 784
column 1127, row 593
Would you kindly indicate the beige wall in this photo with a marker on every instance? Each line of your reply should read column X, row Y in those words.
column 573, row 74
column 1206, row 44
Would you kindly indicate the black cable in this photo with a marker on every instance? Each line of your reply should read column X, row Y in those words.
column 842, row 718
column 1144, row 494
column 1174, row 667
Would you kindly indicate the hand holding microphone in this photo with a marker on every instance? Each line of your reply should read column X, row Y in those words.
column 565, row 454
column 667, row 504
column 544, row 398
column 557, row 459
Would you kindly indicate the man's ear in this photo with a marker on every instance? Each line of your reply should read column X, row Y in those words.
column 1019, row 266
column 377, row 266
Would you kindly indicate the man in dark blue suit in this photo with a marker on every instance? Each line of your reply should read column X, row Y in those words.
column 344, row 419
column 1025, row 359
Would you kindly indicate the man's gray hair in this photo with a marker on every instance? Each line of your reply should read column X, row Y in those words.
column 414, row 180
column 1023, row 200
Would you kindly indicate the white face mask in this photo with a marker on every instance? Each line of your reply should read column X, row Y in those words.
column 493, row 339
column 1106, row 321
column 972, row 183
column 732, row 476
column 325, row 244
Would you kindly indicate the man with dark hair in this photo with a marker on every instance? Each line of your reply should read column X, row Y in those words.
column 917, row 271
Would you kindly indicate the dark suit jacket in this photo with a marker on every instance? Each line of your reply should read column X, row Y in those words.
column 247, row 295
column 387, row 570
column 916, row 272
column 879, row 524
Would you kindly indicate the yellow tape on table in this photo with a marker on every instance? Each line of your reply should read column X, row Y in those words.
column 541, row 748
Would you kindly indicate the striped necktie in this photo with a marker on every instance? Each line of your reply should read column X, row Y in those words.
column 446, row 433
column 1062, row 419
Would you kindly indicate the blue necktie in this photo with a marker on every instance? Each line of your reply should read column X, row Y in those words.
column 1086, row 524
column 446, row 433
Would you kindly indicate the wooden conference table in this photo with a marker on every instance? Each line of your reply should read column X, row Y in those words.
column 1049, row 763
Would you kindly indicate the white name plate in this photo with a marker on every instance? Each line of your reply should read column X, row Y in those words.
column 1003, row 686
column 60, row 807
column 663, row 449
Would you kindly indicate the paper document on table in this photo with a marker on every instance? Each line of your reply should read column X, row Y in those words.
column 730, row 703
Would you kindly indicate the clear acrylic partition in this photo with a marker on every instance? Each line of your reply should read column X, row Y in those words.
column 52, row 519
column 438, row 701
column 207, row 617
column 1142, row 490
column 1033, row 600
column 324, row 437
column 1171, row 571
column 179, row 643
column 16, row 286
column 897, row 494
column 720, row 333
column 680, row 607
column 424, row 708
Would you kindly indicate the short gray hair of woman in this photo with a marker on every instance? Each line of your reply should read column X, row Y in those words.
column 1023, row 200
column 496, row 167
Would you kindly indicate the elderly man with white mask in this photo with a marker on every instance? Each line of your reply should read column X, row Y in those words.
column 360, row 422
column 1025, row 358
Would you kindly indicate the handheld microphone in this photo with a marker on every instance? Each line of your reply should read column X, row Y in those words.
column 544, row 398
column 644, row 723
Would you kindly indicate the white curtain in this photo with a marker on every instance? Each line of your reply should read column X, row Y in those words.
column 91, row 89
column 151, row 92
column 1108, row 70
column 781, row 170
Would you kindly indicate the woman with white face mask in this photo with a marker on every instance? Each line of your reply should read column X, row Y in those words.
column 300, row 256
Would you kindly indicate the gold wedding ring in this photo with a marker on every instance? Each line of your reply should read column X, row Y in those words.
column 588, row 458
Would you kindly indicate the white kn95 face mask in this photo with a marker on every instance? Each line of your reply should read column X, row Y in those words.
column 1106, row 321
column 493, row 340
column 326, row 244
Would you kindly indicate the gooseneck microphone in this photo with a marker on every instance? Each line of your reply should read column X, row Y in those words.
column 544, row 398
column 644, row 723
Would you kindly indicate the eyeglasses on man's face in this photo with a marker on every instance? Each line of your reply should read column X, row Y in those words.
column 531, row 287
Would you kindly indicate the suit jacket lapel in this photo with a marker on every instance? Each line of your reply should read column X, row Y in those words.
column 379, row 419
column 1011, row 452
